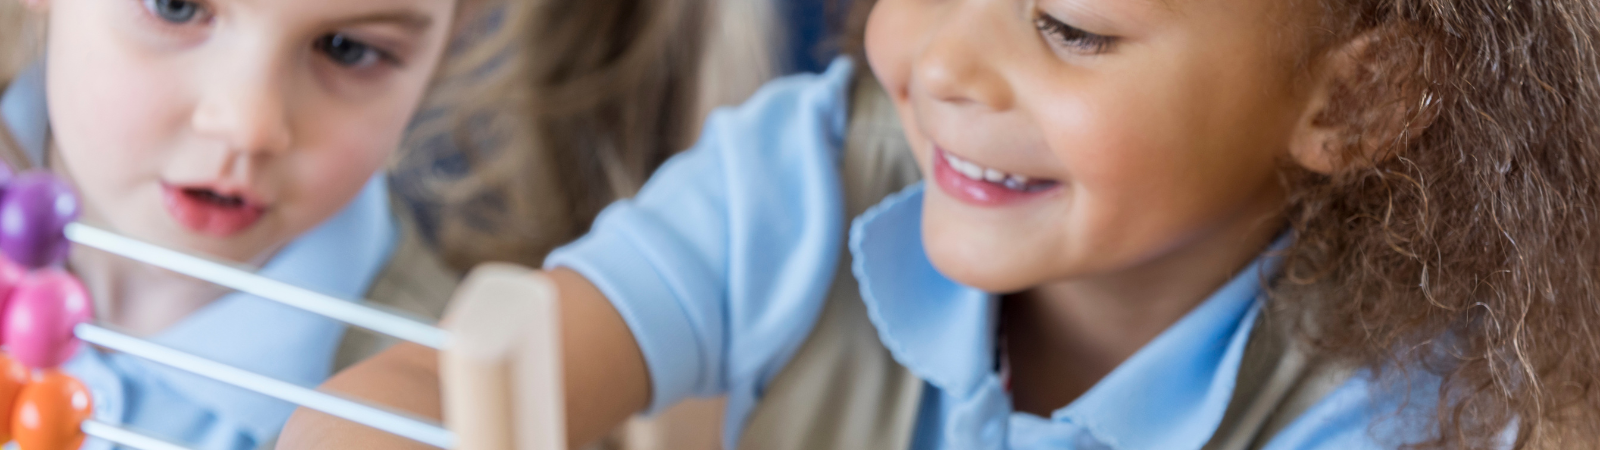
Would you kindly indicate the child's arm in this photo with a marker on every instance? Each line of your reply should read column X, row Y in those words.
column 703, row 284
column 603, row 367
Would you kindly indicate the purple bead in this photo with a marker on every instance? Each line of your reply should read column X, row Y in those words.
column 6, row 174
column 34, row 211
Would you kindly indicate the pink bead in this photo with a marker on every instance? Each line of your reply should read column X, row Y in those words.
column 40, row 316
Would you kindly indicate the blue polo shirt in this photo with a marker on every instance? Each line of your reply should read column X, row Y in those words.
column 722, row 263
column 340, row 257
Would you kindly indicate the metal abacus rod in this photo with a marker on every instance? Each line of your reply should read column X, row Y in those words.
column 499, row 359
column 244, row 281
column 399, row 424
column 500, row 372
column 226, row 275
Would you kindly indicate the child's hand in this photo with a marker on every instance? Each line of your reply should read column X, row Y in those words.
column 404, row 377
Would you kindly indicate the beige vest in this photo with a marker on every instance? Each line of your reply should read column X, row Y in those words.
column 843, row 389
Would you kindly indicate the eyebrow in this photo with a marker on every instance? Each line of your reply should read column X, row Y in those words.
column 408, row 19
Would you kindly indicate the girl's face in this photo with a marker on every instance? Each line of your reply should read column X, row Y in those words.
column 231, row 126
column 1065, row 139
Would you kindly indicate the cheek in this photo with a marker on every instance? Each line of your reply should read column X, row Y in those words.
column 894, row 32
column 889, row 51
column 341, row 153
column 112, row 108
column 1153, row 164
column 1122, row 169
column 340, row 144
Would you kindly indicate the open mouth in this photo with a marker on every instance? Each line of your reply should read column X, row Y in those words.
column 977, row 185
column 210, row 211
column 214, row 198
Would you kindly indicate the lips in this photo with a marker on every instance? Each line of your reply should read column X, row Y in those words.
column 210, row 211
column 982, row 186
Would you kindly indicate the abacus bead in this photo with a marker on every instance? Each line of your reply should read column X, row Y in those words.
column 13, row 377
column 40, row 317
column 35, row 209
column 50, row 413
column 11, row 275
column 6, row 174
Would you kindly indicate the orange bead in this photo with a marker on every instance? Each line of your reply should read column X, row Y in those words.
column 13, row 376
column 50, row 413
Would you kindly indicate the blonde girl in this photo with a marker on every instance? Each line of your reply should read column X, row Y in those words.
column 258, row 132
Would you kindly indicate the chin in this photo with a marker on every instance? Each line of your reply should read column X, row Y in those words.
column 992, row 256
column 992, row 274
column 239, row 248
column 246, row 248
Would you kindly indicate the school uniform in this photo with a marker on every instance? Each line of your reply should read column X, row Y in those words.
column 368, row 250
column 740, row 271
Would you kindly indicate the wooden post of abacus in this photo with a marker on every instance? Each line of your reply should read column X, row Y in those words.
column 501, row 369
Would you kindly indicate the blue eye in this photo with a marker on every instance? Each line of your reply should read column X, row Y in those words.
column 348, row 52
column 174, row 11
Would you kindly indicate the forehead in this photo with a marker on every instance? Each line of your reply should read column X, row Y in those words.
column 1181, row 10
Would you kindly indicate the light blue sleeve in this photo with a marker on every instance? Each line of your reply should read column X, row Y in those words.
column 720, row 265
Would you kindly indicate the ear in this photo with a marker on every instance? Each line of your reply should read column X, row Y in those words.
column 1315, row 143
column 1357, row 111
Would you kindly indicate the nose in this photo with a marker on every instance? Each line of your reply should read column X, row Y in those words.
column 245, row 109
column 957, row 61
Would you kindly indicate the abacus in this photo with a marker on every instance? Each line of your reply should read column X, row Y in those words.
column 499, row 365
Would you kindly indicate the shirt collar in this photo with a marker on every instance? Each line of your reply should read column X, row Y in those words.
column 1170, row 394
column 939, row 329
column 24, row 112
column 1182, row 381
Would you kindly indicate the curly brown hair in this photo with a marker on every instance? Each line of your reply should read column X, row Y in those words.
column 1457, row 235
column 1464, row 243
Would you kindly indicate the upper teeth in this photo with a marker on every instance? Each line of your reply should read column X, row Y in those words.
column 979, row 173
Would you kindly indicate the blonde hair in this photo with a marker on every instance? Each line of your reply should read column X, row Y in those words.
column 21, row 42
column 564, row 108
